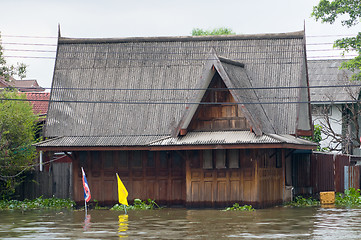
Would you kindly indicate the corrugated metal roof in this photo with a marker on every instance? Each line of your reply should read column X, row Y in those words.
column 229, row 137
column 163, row 63
column 327, row 73
column 192, row 138
column 222, row 137
column 108, row 141
column 238, row 77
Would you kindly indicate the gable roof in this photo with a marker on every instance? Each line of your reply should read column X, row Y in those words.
column 237, row 81
column 28, row 86
column 327, row 73
column 142, row 86
column 5, row 84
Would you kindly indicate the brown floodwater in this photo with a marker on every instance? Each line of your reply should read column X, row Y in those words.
column 273, row 223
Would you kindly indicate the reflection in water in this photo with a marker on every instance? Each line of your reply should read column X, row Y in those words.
column 86, row 225
column 274, row 223
column 123, row 225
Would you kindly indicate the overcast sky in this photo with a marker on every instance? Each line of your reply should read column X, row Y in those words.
column 141, row 18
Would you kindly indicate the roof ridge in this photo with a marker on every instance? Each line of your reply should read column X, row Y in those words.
column 298, row 34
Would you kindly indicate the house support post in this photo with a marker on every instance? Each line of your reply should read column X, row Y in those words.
column 283, row 156
column 188, row 179
column 41, row 161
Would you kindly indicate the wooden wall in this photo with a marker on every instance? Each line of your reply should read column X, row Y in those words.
column 258, row 180
column 197, row 178
column 218, row 117
column 145, row 174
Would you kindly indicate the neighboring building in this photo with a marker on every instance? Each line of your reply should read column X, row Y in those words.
column 28, row 86
column 21, row 85
column 5, row 84
column 40, row 103
column 332, row 106
column 197, row 121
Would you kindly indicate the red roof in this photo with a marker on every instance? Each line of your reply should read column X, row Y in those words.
column 40, row 101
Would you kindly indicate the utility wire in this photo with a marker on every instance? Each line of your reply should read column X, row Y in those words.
column 27, row 167
column 180, row 103
column 189, row 89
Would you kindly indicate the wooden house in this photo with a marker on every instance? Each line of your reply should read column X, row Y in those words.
column 197, row 121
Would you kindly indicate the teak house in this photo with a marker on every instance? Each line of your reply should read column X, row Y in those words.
column 197, row 121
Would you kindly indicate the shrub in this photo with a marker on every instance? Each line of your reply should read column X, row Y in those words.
column 303, row 202
column 237, row 207
column 138, row 205
column 351, row 197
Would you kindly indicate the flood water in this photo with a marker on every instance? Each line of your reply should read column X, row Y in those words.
column 273, row 223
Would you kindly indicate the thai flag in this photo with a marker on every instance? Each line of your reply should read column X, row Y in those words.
column 87, row 195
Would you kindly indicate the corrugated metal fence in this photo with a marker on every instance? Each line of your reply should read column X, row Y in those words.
column 324, row 172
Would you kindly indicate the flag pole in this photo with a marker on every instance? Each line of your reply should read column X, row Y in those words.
column 125, row 209
column 86, row 211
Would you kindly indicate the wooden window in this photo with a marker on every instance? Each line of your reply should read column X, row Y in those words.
column 220, row 159
column 279, row 159
column 95, row 161
column 321, row 110
column 177, row 160
column 195, row 161
column 233, row 158
column 108, row 160
column 150, row 160
column 83, row 159
column 163, row 159
column 137, row 159
column 207, row 159
column 83, row 163
column 123, row 159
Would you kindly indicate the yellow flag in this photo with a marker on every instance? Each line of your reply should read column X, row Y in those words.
column 122, row 192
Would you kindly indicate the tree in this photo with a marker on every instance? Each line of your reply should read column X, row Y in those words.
column 328, row 11
column 8, row 71
column 342, row 134
column 17, row 134
column 215, row 31
column 17, row 130
column 316, row 138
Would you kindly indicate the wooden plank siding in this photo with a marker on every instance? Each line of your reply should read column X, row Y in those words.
column 217, row 117
column 247, row 176
column 145, row 174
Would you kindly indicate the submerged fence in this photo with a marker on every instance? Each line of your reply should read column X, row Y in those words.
column 56, row 181
column 325, row 172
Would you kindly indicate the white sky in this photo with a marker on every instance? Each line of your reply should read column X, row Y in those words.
column 118, row 18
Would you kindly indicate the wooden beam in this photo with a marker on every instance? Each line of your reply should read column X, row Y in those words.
column 183, row 132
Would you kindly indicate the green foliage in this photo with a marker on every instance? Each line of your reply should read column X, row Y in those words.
column 300, row 201
column 17, row 134
column 328, row 11
column 215, row 31
column 10, row 70
column 351, row 197
column 138, row 205
column 316, row 138
column 38, row 203
column 237, row 207
column 97, row 205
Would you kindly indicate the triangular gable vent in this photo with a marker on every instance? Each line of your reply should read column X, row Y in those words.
column 217, row 107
